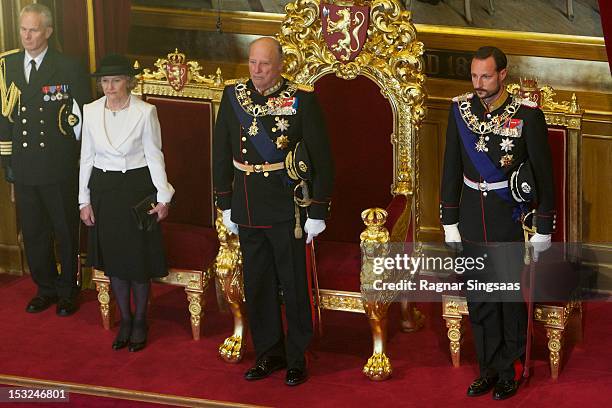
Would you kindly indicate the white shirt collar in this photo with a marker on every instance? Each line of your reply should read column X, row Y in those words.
column 39, row 58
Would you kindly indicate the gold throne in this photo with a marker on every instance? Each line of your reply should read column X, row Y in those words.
column 564, row 120
column 364, row 62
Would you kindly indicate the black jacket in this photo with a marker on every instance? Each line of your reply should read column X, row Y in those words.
column 41, row 152
column 489, row 218
column 257, row 199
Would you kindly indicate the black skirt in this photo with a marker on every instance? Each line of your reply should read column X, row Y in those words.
column 115, row 244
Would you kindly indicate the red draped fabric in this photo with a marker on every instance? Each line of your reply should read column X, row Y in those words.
column 112, row 24
column 74, row 29
column 605, row 10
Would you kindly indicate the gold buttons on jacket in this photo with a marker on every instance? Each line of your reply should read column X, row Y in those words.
column 243, row 139
column 25, row 132
column 42, row 122
column 41, row 109
column 244, row 150
column 23, row 108
column 24, row 120
column 25, row 144
column 42, row 133
column 42, row 144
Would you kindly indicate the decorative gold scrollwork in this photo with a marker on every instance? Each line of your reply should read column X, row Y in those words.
column 391, row 57
column 194, row 68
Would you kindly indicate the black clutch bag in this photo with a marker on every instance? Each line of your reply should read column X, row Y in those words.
column 144, row 220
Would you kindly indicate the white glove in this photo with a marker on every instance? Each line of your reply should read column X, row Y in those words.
column 227, row 221
column 452, row 236
column 313, row 228
column 540, row 243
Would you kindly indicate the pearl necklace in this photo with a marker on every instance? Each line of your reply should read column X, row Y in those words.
column 114, row 112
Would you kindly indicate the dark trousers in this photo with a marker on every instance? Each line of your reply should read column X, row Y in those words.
column 273, row 257
column 49, row 213
column 498, row 318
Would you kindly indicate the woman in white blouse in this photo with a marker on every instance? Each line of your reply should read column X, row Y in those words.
column 121, row 165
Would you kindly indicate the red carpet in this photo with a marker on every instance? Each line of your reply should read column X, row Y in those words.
column 77, row 350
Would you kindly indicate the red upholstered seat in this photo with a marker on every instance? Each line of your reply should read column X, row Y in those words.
column 187, row 152
column 189, row 235
column 338, row 265
column 359, row 122
column 189, row 246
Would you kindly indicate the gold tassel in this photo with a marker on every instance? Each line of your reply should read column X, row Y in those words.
column 297, row 231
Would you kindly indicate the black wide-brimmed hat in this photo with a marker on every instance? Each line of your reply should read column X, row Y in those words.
column 115, row 64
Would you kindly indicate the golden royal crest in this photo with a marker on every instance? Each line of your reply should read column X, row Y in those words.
column 529, row 90
column 345, row 29
column 176, row 70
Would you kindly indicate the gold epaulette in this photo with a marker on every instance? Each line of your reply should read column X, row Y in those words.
column 9, row 52
column 527, row 102
column 234, row 81
column 463, row 97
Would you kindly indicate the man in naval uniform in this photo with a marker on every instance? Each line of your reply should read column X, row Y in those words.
column 260, row 122
column 497, row 158
column 39, row 127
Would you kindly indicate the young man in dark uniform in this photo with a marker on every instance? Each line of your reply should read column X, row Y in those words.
column 260, row 121
column 39, row 127
column 494, row 140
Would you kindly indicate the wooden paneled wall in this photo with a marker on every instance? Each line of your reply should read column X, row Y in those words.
column 597, row 180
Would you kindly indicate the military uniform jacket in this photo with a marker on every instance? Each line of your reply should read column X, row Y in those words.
column 487, row 217
column 262, row 199
column 43, row 150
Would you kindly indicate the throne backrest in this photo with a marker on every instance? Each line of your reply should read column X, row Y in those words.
column 564, row 120
column 370, row 87
column 186, row 103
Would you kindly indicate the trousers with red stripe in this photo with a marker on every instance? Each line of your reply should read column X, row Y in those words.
column 274, row 259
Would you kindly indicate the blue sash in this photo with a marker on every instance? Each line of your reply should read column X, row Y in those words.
column 481, row 160
column 262, row 142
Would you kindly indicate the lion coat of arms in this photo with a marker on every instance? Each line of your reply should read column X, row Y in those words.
column 345, row 29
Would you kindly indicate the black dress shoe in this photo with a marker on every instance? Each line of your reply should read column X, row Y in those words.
column 296, row 376
column 505, row 389
column 66, row 307
column 481, row 386
column 138, row 337
column 123, row 337
column 137, row 346
column 40, row 303
column 265, row 367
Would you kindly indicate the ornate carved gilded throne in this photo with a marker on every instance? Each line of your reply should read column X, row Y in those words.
column 364, row 61
column 564, row 120
column 182, row 95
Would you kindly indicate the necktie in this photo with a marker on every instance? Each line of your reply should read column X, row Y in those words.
column 33, row 72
